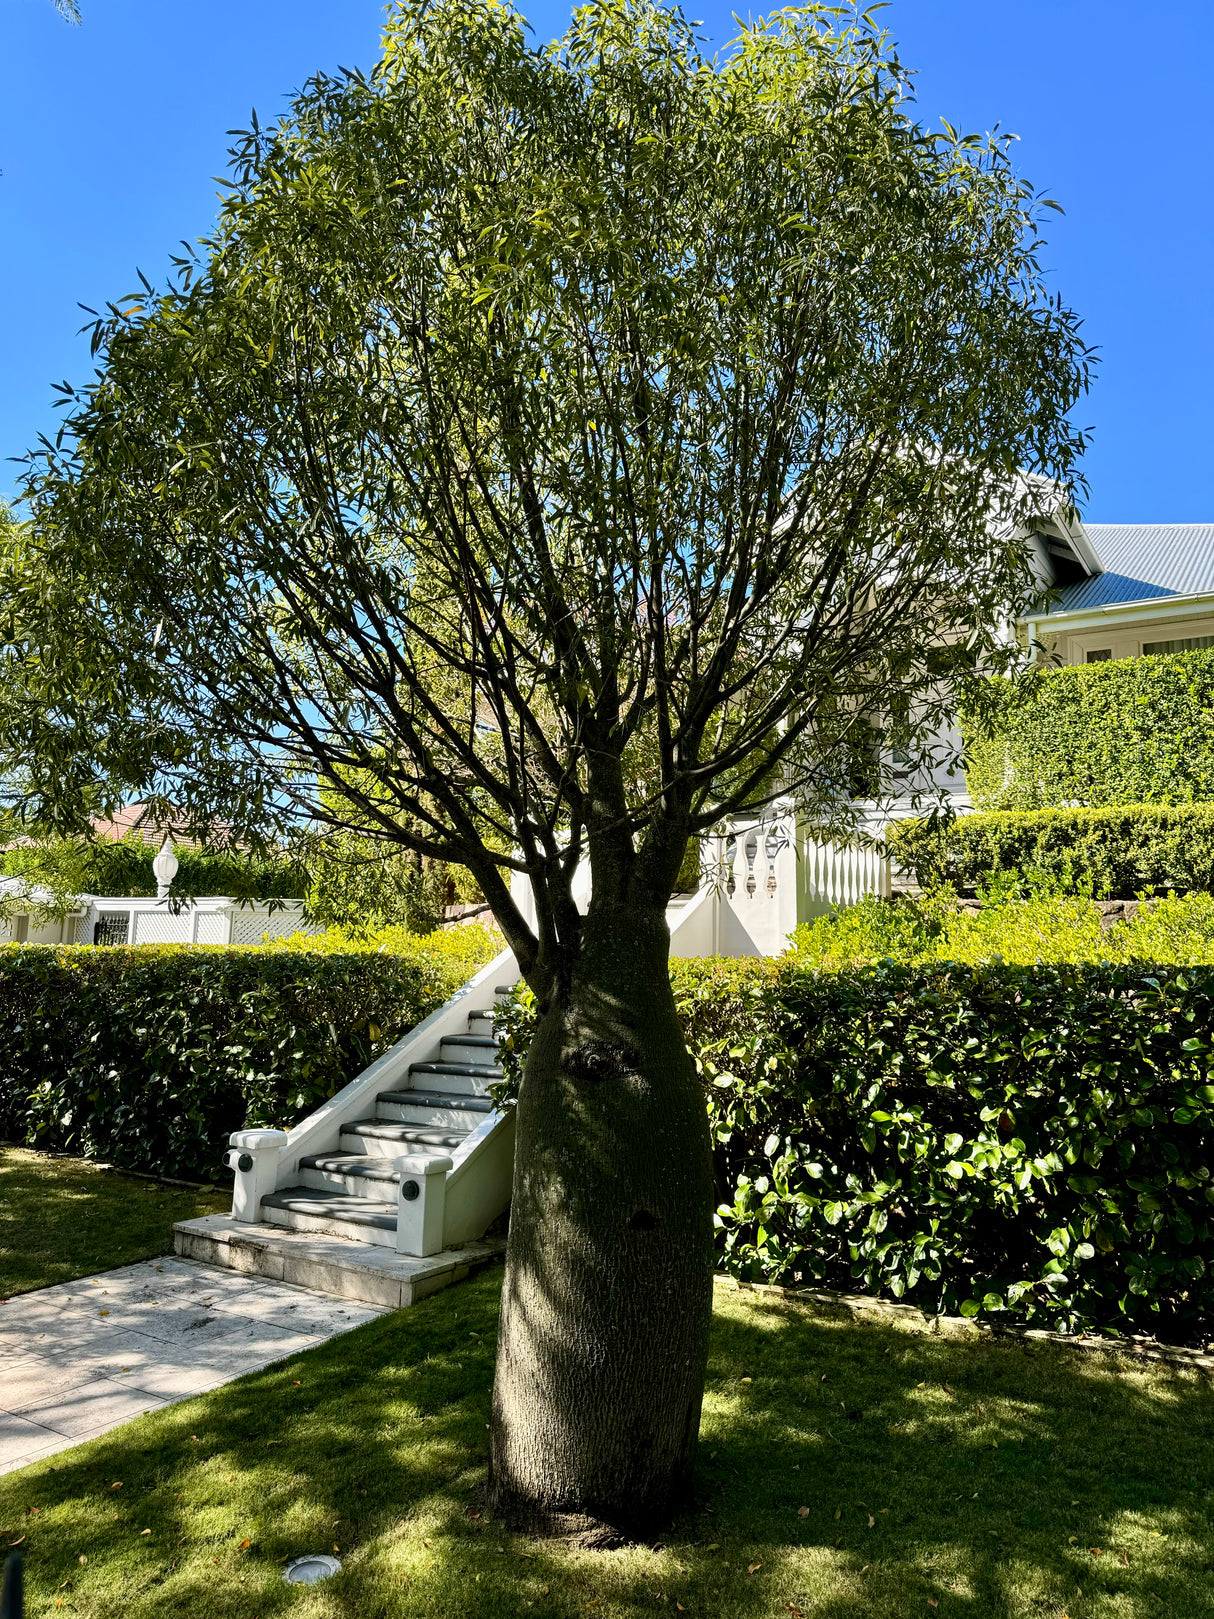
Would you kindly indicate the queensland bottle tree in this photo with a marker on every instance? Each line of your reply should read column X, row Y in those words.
column 552, row 449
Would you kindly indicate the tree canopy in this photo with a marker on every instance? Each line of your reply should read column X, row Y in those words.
column 551, row 448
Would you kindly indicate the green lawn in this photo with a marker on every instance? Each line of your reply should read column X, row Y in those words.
column 848, row 1471
column 63, row 1217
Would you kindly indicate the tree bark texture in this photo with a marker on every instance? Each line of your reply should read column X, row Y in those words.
column 608, row 1290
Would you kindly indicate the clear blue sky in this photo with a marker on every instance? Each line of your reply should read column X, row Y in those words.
column 110, row 134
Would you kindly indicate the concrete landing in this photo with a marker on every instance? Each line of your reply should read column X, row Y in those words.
column 333, row 1265
column 79, row 1358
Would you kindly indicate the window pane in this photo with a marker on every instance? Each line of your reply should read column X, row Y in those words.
column 1101, row 656
column 1194, row 643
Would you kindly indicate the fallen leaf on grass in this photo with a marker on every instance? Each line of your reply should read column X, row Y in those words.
column 748, row 1380
column 713, row 1546
column 1096, row 1551
column 871, row 1520
column 17, row 1542
column 802, row 1512
column 145, row 1531
column 244, row 1545
column 753, row 1568
column 932, row 1603
column 838, row 1513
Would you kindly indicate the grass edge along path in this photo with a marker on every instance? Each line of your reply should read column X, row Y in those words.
column 847, row 1469
column 62, row 1218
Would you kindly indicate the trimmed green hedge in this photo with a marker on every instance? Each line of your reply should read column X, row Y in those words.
column 1033, row 1143
column 1116, row 851
column 150, row 1057
column 1128, row 731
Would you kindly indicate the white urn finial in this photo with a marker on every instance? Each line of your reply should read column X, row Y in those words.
column 165, row 867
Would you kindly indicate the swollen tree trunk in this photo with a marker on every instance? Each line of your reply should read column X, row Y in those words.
column 608, row 1291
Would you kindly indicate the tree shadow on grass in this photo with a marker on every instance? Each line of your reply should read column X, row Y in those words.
column 993, row 1477
column 62, row 1218
column 1000, row 1478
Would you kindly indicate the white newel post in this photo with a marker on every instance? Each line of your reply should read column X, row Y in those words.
column 254, row 1157
column 420, row 1204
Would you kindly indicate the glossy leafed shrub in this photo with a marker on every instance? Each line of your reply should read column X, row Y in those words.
column 150, row 1057
column 1037, row 926
column 1030, row 1142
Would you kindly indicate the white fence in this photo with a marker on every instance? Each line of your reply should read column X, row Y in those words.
column 105, row 919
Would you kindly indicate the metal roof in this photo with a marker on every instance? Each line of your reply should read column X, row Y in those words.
column 1142, row 561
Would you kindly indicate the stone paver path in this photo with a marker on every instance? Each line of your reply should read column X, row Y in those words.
column 78, row 1359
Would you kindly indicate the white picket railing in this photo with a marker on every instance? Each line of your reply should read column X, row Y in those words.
column 832, row 875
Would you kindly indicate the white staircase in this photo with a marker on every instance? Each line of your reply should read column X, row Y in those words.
column 355, row 1191
column 386, row 1191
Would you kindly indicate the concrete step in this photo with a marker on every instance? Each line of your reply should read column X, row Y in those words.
column 380, row 1138
column 481, row 1042
column 468, row 1078
column 477, row 1051
column 463, row 1070
column 461, row 1111
column 478, row 1020
column 332, row 1265
column 332, row 1214
column 358, row 1174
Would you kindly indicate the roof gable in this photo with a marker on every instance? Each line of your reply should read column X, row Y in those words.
column 1143, row 561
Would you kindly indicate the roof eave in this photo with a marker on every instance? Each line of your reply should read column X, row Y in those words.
column 1146, row 607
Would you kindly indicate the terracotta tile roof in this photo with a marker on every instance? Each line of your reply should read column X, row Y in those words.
column 136, row 820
